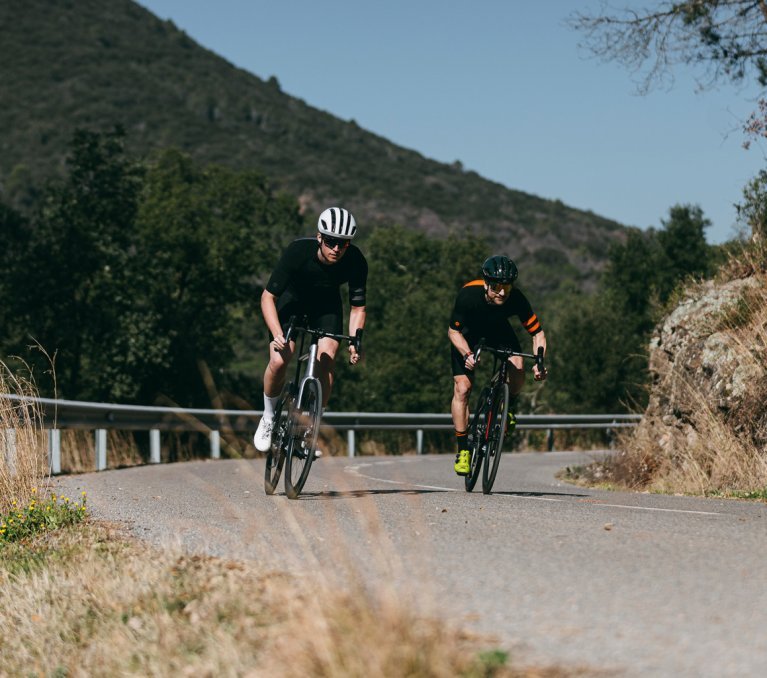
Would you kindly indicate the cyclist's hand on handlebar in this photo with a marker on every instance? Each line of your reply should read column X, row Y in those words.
column 540, row 375
column 279, row 343
column 354, row 355
column 469, row 361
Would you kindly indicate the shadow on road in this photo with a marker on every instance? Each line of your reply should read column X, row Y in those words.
column 354, row 494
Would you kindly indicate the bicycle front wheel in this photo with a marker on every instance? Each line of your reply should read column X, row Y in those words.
column 303, row 438
column 477, row 439
column 275, row 458
column 496, row 430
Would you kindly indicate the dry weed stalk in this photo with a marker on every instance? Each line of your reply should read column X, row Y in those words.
column 24, row 465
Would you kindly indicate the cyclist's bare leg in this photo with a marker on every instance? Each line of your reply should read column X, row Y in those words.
column 459, row 408
column 326, row 357
column 516, row 375
column 277, row 369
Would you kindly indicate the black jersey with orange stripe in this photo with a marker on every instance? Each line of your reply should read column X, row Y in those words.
column 473, row 316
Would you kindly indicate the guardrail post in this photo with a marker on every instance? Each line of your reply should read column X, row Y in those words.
column 215, row 445
column 154, row 446
column 54, row 450
column 9, row 449
column 101, row 449
column 550, row 440
column 419, row 441
column 350, row 442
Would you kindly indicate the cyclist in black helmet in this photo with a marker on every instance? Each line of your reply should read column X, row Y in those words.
column 482, row 309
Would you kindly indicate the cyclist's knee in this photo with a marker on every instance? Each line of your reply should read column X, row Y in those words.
column 327, row 348
column 462, row 388
column 278, row 362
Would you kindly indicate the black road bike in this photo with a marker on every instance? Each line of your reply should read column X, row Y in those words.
column 297, row 414
column 490, row 421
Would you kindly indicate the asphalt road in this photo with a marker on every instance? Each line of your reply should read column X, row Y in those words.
column 638, row 584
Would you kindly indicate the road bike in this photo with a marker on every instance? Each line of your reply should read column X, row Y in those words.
column 490, row 421
column 298, row 412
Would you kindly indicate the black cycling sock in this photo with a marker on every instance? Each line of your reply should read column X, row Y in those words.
column 461, row 439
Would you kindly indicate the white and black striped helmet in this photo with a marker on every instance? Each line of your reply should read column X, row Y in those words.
column 337, row 223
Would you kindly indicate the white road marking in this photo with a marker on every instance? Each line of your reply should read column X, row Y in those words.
column 355, row 470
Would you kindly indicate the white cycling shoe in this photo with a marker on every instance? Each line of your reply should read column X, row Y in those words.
column 263, row 436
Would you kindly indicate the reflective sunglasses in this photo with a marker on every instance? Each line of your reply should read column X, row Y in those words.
column 498, row 287
column 331, row 243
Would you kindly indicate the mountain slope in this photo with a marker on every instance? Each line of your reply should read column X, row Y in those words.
column 91, row 63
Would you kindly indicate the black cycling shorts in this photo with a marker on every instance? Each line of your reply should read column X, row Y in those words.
column 501, row 337
column 322, row 314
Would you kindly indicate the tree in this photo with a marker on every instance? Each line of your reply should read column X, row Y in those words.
column 600, row 343
column 70, row 278
column 753, row 210
column 727, row 38
column 598, row 356
column 685, row 253
column 139, row 277
column 630, row 277
column 207, row 237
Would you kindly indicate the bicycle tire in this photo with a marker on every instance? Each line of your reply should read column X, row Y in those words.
column 275, row 457
column 496, row 432
column 303, row 438
column 476, row 441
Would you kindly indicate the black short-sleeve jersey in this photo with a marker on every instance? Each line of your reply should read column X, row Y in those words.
column 301, row 276
column 472, row 316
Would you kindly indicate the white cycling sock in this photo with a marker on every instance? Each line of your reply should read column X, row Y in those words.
column 269, row 405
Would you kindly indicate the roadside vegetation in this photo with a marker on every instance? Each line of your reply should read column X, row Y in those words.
column 716, row 443
column 81, row 598
column 88, row 601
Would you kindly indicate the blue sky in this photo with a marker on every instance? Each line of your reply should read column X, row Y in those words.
column 502, row 86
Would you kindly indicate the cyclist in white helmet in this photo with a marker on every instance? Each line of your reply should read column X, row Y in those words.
column 306, row 282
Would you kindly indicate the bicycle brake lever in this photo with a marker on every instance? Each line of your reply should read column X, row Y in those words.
column 478, row 350
column 289, row 333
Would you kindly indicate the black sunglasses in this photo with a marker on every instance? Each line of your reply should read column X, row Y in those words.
column 332, row 243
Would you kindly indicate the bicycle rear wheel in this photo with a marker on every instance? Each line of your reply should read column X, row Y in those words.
column 496, row 431
column 477, row 440
column 303, row 438
column 275, row 457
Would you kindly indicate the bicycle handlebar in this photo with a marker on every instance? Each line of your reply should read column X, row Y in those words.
column 508, row 353
column 294, row 327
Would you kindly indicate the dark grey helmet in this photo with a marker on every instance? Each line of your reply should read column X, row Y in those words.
column 499, row 269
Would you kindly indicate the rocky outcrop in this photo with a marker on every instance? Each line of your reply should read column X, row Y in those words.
column 708, row 362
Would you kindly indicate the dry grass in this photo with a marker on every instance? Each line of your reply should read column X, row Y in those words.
column 712, row 447
column 24, row 465
column 90, row 602
column 78, row 450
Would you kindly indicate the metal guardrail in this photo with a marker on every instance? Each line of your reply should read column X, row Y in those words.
column 99, row 417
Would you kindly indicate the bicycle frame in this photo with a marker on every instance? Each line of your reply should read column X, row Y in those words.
column 298, row 435
column 487, row 428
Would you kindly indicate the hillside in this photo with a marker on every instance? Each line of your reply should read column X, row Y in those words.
column 93, row 64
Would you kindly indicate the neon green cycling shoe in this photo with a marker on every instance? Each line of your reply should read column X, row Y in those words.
column 462, row 464
column 511, row 424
